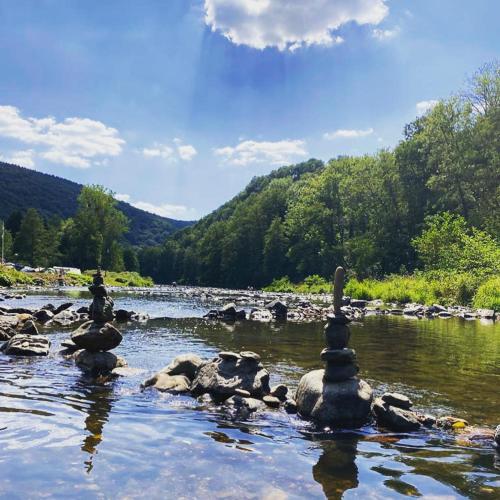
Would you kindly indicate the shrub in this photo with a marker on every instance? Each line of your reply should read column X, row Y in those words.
column 488, row 295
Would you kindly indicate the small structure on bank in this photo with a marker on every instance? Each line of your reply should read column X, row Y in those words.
column 97, row 337
column 334, row 396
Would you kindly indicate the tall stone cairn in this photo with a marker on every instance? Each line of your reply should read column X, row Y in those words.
column 97, row 336
column 334, row 396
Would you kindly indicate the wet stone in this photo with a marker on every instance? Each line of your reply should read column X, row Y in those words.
column 229, row 356
column 242, row 393
column 338, row 356
column 337, row 335
column 26, row 345
column 271, row 401
column 250, row 355
column 334, row 373
column 398, row 400
column 279, row 391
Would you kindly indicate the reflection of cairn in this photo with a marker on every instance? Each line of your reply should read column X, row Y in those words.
column 335, row 396
column 96, row 337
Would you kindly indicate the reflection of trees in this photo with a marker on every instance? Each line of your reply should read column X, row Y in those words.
column 336, row 468
column 100, row 399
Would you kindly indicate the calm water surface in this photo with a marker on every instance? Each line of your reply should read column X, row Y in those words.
column 63, row 436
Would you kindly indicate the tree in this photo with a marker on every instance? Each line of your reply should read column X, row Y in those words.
column 130, row 259
column 97, row 230
column 29, row 242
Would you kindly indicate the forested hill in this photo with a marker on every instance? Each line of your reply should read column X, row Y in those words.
column 362, row 212
column 22, row 188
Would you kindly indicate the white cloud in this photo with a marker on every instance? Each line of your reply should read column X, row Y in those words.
column 122, row 197
column 167, row 210
column 424, row 106
column 21, row 158
column 381, row 34
column 186, row 152
column 178, row 151
column 76, row 142
column 347, row 134
column 274, row 153
column 289, row 24
column 159, row 151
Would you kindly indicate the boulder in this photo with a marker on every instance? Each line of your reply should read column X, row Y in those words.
column 96, row 337
column 6, row 332
column 98, row 363
column 449, row 422
column 271, row 401
column 168, row 383
column 393, row 418
column 43, row 315
column 279, row 391
column 244, row 406
column 221, row 377
column 83, row 310
column 486, row 313
column 27, row 345
column 184, row 364
column 398, row 400
column 29, row 328
column 66, row 317
column 278, row 309
column 345, row 403
column 123, row 315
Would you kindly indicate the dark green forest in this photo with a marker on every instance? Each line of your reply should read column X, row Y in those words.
column 56, row 198
column 366, row 213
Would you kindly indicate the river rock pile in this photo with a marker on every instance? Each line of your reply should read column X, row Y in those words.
column 334, row 396
column 97, row 337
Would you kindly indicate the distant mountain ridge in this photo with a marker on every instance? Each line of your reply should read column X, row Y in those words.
column 22, row 188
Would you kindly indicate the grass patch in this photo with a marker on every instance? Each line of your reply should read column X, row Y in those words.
column 125, row 278
column 311, row 284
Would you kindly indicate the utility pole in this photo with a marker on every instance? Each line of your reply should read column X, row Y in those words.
column 3, row 238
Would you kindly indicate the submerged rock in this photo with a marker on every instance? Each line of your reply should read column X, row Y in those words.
column 345, row 403
column 66, row 317
column 169, row 383
column 96, row 337
column 43, row 316
column 394, row 418
column 27, row 345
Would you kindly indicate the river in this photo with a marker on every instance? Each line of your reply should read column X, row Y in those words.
column 63, row 436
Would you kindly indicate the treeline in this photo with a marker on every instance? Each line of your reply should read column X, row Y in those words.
column 365, row 213
column 93, row 237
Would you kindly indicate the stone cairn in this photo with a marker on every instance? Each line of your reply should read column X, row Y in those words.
column 335, row 396
column 97, row 337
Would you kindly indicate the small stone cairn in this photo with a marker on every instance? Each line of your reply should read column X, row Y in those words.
column 96, row 337
column 335, row 396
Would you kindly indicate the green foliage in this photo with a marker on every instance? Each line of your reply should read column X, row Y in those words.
column 11, row 277
column 311, row 284
column 488, row 295
column 129, row 279
column 448, row 244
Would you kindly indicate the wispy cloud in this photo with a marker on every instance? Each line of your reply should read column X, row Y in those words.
column 173, row 152
column 167, row 210
column 423, row 106
column 347, row 134
column 75, row 142
column 387, row 34
column 273, row 153
column 289, row 24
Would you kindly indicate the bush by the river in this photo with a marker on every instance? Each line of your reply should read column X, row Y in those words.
column 488, row 295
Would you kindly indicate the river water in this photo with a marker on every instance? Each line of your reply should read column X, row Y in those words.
column 63, row 436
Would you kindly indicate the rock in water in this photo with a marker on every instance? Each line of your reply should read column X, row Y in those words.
column 169, row 383
column 393, row 418
column 43, row 315
column 27, row 345
column 98, row 363
column 344, row 404
column 96, row 337
column 29, row 328
column 184, row 364
column 221, row 378
column 397, row 400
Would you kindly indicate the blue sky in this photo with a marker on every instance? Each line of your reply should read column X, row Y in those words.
column 176, row 104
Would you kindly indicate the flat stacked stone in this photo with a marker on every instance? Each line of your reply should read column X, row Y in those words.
column 334, row 396
column 96, row 337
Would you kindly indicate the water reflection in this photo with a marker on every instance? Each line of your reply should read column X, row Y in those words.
column 100, row 397
column 336, row 469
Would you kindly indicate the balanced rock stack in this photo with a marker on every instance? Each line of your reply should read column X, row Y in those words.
column 335, row 396
column 96, row 337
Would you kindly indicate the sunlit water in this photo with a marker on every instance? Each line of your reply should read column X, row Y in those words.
column 63, row 436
